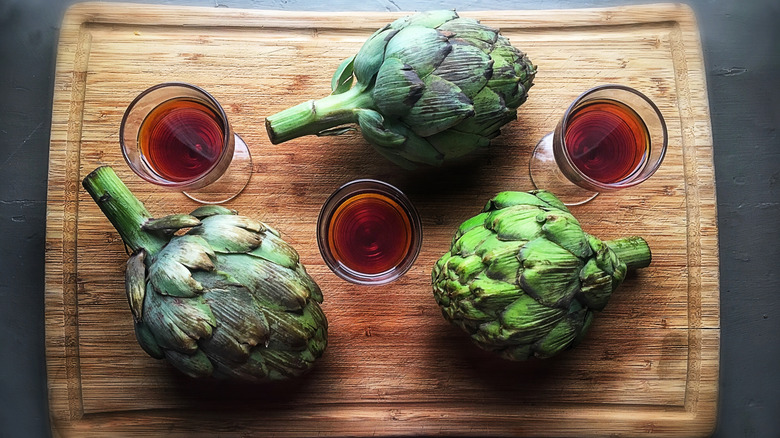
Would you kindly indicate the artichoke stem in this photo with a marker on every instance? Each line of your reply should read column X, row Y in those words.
column 314, row 116
column 633, row 251
column 126, row 213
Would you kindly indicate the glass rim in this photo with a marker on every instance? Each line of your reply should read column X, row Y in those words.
column 161, row 181
column 348, row 190
column 627, row 182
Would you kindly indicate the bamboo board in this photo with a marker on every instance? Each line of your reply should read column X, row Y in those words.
column 393, row 365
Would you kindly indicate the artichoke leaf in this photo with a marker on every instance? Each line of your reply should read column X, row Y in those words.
column 272, row 285
column 210, row 210
column 169, row 277
column 416, row 148
column 586, row 322
column 421, row 48
column 493, row 296
column 147, row 341
column 510, row 73
column 466, row 66
column 441, row 106
column 466, row 267
column 454, row 143
column 550, row 199
column 239, row 329
column 437, row 267
column 490, row 114
column 229, row 306
column 526, row 320
column 263, row 362
column 563, row 229
column 276, row 250
column 194, row 365
column 470, row 240
column 550, row 273
column 373, row 129
column 509, row 89
column 225, row 235
column 255, row 364
column 502, row 260
column 517, row 352
column 397, row 88
column 191, row 251
column 370, row 56
column 467, row 29
column 596, row 286
column 517, row 222
column 505, row 57
column 493, row 247
column 135, row 283
column 469, row 311
column 192, row 316
column 314, row 318
column 489, row 334
column 512, row 198
column 343, row 76
column 608, row 260
column 284, row 364
column 453, row 290
column 287, row 331
column 178, row 323
column 237, row 221
column 315, row 293
column 558, row 339
column 468, row 224
column 272, row 230
column 224, row 347
column 171, row 222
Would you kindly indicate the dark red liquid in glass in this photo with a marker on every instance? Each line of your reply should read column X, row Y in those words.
column 181, row 139
column 606, row 140
column 370, row 233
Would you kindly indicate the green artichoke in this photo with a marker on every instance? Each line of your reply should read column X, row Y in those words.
column 428, row 88
column 524, row 280
column 228, row 298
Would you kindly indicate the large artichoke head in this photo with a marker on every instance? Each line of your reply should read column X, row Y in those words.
column 425, row 89
column 524, row 280
column 214, row 293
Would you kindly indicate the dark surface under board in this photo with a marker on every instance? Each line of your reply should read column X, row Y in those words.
column 740, row 44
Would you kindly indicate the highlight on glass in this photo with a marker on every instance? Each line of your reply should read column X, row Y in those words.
column 610, row 138
column 177, row 136
column 369, row 232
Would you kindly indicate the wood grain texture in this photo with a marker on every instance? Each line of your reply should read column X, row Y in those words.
column 393, row 365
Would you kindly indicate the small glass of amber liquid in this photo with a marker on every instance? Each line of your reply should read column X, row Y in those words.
column 369, row 232
column 177, row 136
column 611, row 137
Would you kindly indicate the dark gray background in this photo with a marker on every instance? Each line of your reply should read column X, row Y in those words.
column 740, row 41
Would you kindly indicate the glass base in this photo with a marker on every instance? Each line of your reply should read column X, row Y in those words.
column 546, row 175
column 231, row 183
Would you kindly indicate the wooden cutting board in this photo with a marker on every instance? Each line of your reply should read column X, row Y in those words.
column 393, row 366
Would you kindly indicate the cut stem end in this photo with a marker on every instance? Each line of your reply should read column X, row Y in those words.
column 633, row 251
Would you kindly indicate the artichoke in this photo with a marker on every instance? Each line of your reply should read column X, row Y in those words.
column 228, row 298
column 524, row 280
column 428, row 88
